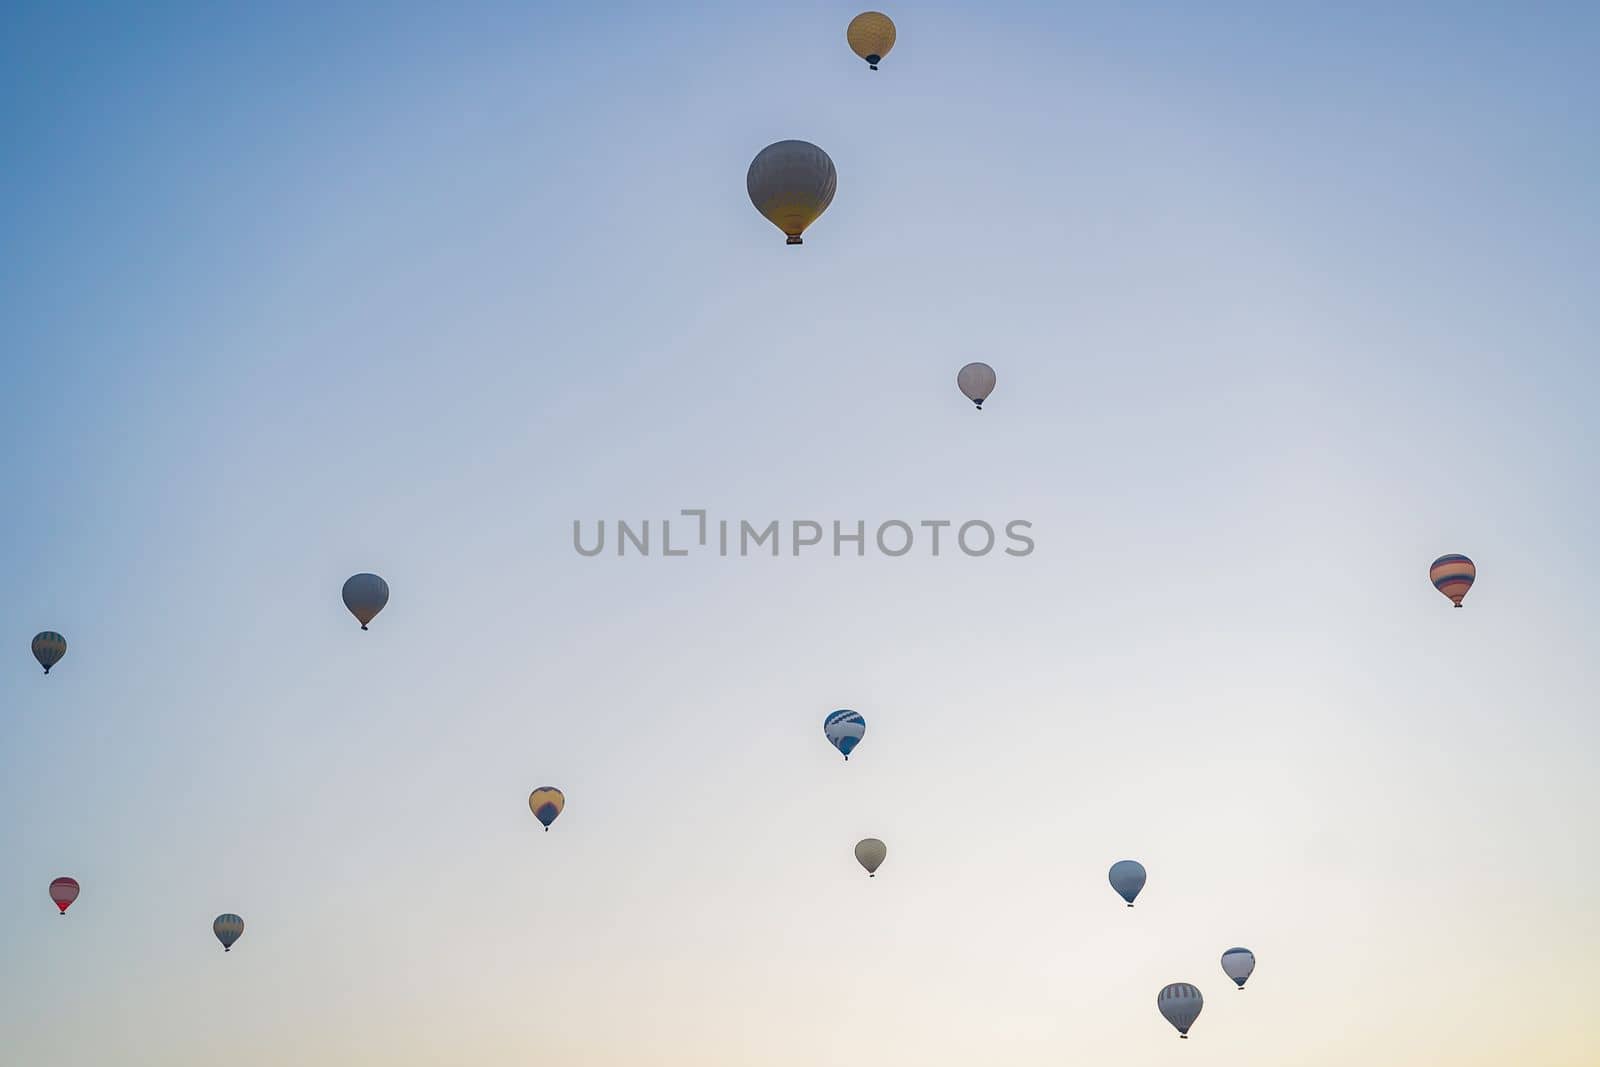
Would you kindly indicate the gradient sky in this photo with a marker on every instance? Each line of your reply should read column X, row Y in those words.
column 1284, row 301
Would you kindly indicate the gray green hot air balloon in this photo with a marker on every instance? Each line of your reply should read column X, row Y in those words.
column 365, row 595
column 48, row 648
column 228, row 928
column 870, row 853
column 1127, row 878
column 791, row 183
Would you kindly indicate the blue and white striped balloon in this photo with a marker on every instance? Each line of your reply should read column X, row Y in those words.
column 844, row 730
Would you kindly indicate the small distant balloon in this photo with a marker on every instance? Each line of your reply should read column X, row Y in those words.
column 1180, row 1005
column 48, row 648
column 1453, row 575
column 63, row 891
column 791, row 183
column 1127, row 878
column 870, row 853
column 871, row 35
column 844, row 730
column 546, row 803
column 1237, row 963
column 228, row 928
column 976, row 381
column 365, row 595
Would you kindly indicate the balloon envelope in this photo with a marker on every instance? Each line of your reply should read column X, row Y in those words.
column 1453, row 575
column 546, row 803
column 48, row 648
column 870, row 853
column 365, row 595
column 1180, row 1005
column 1127, row 878
column 844, row 729
column 976, row 381
column 63, row 891
column 871, row 35
column 791, row 183
column 1237, row 963
column 228, row 928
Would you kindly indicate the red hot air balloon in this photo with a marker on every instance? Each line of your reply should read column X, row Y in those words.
column 64, row 891
column 1453, row 575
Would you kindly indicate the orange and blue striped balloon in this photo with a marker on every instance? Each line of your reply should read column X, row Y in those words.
column 1453, row 575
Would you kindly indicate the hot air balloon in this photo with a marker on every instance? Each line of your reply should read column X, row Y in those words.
column 64, row 891
column 844, row 730
column 48, row 648
column 1180, row 1005
column 546, row 803
column 870, row 853
column 976, row 381
column 871, row 35
column 1452, row 575
column 1127, row 878
column 365, row 595
column 1237, row 963
column 791, row 183
column 228, row 928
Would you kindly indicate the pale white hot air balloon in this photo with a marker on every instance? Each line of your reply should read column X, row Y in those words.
column 870, row 853
column 976, row 381
column 365, row 595
column 791, row 183
column 1180, row 1005
column 1237, row 963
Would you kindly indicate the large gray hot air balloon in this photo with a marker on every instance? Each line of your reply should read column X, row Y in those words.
column 1127, row 878
column 870, row 853
column 791, row 183
column 976, row 381
column 1180, row 1005
column 228, row 928
column 1237, row 963
column 365, row 595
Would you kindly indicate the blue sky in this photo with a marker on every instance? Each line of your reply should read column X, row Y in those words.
column 1284, row 302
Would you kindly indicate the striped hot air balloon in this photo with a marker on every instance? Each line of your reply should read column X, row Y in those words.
column 228, row 928
column 1180, row 1005
column 48, row 648
column 546, row 803
column 1453, row 575
column 64, row 891
column 844, row 729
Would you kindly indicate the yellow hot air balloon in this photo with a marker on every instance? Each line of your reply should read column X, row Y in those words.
column 791, row 183
column 871, row 35
column 546, row 803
